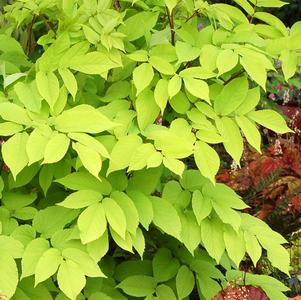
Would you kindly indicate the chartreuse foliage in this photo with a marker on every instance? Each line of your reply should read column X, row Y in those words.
column 99, row 199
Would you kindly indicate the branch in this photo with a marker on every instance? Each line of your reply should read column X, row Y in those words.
column 48, row 24
column 233, row 77
column 171, row 25
column 193, row 15
column 252, row 17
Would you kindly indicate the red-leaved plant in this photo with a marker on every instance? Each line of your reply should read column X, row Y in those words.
column 244, row 292
column 271, row 184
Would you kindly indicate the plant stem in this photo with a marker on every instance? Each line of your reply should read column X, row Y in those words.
column 193, row 15
column 171, row 25
column 252, row 17
column 233, row 77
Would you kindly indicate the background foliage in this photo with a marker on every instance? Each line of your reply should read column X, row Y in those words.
column 110, row 115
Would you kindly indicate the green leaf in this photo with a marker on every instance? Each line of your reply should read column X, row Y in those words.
column 174, row 165
column 56, row 148
column 226, row 213
column 165, row 292
column 8, row 80
column 233, row 12
column 89, row 158
column 17, row 200
column 226, row 61
column 98, row 248
column 133, row 267
column 171, row 4
column 28, row 95
column 14, row 153
column 184, row 282
column 10, row 128
column 231, row 96
column 209, row 137
column 212, row 237
column 122, row 152
column 279, row 257
column 180, row 103
column 145, row 181
column 47, row 265
column 191, row 231
column 8, row 275
column 161, row 65
column 25, row 213
column 48, row 87
column 33, row 251
column 197, row 88
column 145, row 156
column 142, row 76
column 246, row 6
column 71, row 280
column 25, row 234
column 53, row 218
column 270, row 119
column 235, row 244
column 207, row 160
column 92, row 223
column 36, row 144
column 87, row 265
column 92, row 63
column 90, row 142
column 83, row 118
column 233, row 141
column 124, row 243
column 10, row 245
column 143, row 206
column 253, row 248
column 206, row 109
column 166, row 217
column 208, row 286
column 271, row 3
column 81, row 199
column 161, row 94
column 289, row 60
column 90, row 34
column 139, row 242
column 186, row 52
column 139, row 24
column 27, row 291
column 250, row 131
column 255, row 69
column 129, row 210
column 250, row 102
column 201, row 206
column 69, row 81
column 176, row 142
column 272, row 20
column 165, row 266
column 138, row 285
column 197, row 72
column 14, row 113
column 146, row 108
column 174, row 85
column 85, row 181
column 138, row 55
column 115, row 216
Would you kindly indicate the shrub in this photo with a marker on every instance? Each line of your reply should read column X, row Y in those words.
column 108, row 177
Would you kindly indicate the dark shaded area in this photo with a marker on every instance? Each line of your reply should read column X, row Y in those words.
column 290, row 13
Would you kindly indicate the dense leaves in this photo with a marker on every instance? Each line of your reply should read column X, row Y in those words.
column 110, row 115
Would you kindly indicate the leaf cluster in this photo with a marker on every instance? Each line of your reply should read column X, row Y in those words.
column 98, row 201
